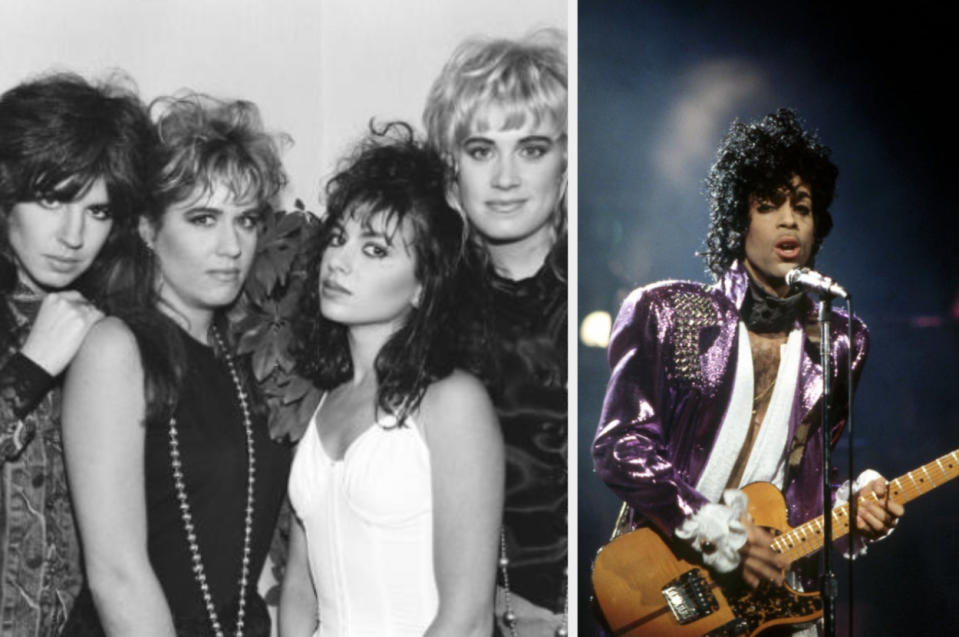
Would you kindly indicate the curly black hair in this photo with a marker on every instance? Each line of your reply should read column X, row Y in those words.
column 759, row 159
column 393, row 174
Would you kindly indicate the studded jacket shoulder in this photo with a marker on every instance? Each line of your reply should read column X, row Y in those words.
column 672, row 355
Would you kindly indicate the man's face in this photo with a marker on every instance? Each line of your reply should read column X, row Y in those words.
column 780, row 234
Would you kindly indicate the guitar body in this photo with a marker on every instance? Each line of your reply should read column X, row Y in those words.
column 645, row 587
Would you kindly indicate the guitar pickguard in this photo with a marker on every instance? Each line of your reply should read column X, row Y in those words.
column 646, row 585
column 768, row 606
column 772, row 605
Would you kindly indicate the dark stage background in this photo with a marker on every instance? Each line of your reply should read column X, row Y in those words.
column 659, row 85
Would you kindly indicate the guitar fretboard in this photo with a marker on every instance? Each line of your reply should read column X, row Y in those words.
column 808, row 538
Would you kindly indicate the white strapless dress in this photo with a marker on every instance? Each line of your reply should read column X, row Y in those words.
column 368, row 520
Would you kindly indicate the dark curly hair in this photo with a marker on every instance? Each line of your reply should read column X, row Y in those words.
column 391, row 173
column 759, row 159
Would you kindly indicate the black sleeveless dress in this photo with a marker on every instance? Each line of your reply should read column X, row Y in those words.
column 212, row 447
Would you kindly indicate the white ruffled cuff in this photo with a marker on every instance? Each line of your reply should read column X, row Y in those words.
column 842, row 497
column 717, row 526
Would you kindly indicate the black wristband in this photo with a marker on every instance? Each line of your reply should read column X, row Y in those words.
column 29, row 383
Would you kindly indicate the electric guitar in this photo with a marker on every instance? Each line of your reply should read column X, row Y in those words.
column 645, row 586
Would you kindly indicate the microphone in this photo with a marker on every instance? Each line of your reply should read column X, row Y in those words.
column 815, row 282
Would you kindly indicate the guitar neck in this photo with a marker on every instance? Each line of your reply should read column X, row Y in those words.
column 808, row 538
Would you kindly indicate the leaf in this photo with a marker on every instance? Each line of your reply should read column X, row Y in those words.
column 290, row 302
column 296, row 389
column 286, row 422
column 307, row 405
column 291, row 222
column 282, row 261
column 262, row 363
column 254, row 289
column 251, row 338
column 267, row 272
column 251, row 320
column 282, row 339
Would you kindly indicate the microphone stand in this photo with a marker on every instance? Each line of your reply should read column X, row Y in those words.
column 829, row 585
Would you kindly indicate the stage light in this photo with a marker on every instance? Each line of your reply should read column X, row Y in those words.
column 594, row 330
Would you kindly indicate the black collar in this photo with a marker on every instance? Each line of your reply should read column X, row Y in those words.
column 764, row 312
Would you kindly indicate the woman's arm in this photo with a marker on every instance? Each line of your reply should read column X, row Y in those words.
column 103, row 436
column 61, row 324
column 467, row 461
column 298, row 600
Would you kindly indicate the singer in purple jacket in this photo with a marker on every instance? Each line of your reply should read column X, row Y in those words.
column 715, row 387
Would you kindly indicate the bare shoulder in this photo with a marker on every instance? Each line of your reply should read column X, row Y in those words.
column 457, row 389
column 103, row 389
column 458, row 404
column 109, row 343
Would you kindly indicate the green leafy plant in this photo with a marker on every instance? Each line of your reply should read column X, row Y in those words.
column 263, row 318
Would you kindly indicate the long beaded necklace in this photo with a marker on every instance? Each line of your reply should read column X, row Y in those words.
column 177, row 465
column 509, row 616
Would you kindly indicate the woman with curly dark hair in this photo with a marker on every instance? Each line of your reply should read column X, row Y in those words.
column 175, row 481
column 397, row 485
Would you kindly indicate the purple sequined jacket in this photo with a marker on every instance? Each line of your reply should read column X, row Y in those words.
column 673, row 359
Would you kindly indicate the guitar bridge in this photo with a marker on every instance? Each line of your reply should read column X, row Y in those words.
column 689, row 597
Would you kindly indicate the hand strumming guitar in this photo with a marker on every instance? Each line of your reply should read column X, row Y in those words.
column 759, row 562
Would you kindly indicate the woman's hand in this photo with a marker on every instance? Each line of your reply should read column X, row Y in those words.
column 297, row 614
column 63, row 322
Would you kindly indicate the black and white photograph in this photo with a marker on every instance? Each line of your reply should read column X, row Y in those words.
column 283, row 318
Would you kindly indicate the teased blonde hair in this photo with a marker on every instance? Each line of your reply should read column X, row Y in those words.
column 525, row 77
column 205, row 141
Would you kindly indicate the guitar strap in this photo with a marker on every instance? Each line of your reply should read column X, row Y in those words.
column 798, row 444
column 622, row 522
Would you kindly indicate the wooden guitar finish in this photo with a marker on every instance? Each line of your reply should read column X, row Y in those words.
column 645, row 587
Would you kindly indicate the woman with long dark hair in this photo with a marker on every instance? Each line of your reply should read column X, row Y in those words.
column 73, row 167
column 397, row 484
column 174, row 478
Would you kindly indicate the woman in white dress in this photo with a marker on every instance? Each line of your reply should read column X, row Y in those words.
column 397, row 484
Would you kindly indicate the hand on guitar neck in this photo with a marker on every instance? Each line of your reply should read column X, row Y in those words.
column 877, row 513
column 650, row 585
column 875, row 518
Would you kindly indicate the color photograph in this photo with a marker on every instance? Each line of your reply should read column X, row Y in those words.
column 720, row 143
